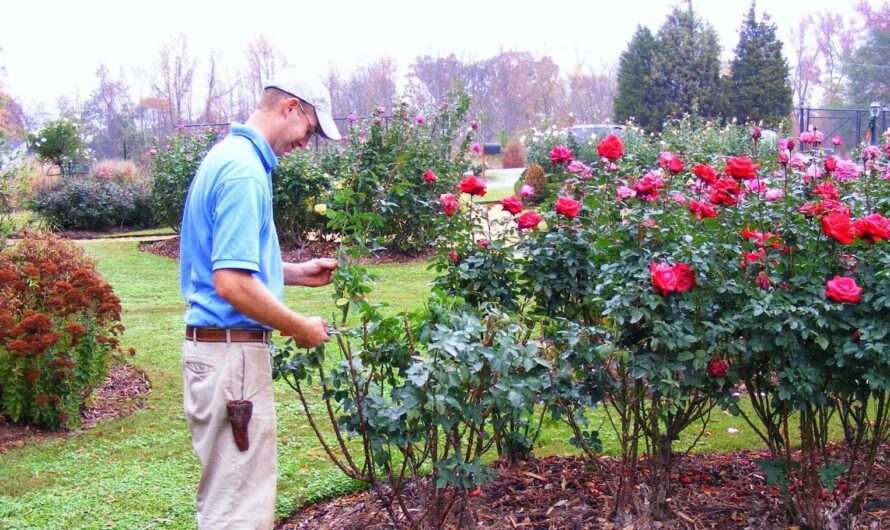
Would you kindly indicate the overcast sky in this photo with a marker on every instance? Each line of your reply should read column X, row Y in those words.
column 52, row 48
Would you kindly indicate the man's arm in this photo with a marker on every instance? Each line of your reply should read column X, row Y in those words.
column 251, row 298
column 312, row 273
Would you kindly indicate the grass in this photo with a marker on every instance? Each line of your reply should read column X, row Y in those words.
column 140, row 233
column 140, row 472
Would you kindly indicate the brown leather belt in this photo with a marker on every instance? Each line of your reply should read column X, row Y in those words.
column 227, row 335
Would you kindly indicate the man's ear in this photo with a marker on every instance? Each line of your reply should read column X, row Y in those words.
column 287, row 105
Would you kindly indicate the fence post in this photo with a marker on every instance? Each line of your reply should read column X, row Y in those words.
column 800, row 118
column 858, row 127
column 883, row 120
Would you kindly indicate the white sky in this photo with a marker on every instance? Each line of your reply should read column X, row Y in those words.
column 52, row 48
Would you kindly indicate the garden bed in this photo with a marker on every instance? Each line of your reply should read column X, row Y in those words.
column 123, row 392
column 725, row 491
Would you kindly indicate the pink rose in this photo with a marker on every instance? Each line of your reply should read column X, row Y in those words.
column 560, row 154
column 526, row 191
column 449, row 203
column 774, row 195
column 624, row 192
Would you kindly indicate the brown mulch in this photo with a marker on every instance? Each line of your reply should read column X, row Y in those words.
column 124, row 391
column 169, row 248
column 722, row 491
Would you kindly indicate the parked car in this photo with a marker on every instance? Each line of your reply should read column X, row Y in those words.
column 583, row 133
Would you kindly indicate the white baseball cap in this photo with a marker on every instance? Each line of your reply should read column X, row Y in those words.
column 311, row 90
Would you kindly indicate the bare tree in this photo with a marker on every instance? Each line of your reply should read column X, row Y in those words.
column 369, row 86
column 835, row 38
column 172, row 81
column 805, row 68
column 591, row 95
column 263, row 60
column 548, row 90
column 431, row 78
column 215, row 108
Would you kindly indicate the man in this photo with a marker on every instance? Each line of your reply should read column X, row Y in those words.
column 233, row 280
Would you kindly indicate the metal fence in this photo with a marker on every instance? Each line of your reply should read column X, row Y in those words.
column 855, row 126
column 341, row 121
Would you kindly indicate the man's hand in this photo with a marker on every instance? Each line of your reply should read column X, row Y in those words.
column 310, row 333
column 312, row 273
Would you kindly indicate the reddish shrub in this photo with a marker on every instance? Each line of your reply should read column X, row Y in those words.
column 514, row 154
column 59, row 322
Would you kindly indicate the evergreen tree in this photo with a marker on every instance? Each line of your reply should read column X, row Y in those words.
column 686, row 67
column 759, row 84
column 635, row 94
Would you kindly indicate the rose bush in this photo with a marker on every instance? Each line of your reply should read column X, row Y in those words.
column 387, row 164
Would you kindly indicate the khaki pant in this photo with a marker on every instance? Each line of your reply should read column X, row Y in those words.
column 237, row 489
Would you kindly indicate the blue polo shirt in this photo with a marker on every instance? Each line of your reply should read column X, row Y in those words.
column 228, row 224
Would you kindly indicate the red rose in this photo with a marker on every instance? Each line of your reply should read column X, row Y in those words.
column 741, row 167
column 453, row 256
column 529, row 220
column 568, row 207
column 702, row 210
column 810, row 210
column 561, row 155
column 762, row 281
column 755, row 133
column 705, row 172
column 429, row 176
column 512, row 204
column 830, row 164
column 664, row 277
column 685, row 277
column 472, row 185
column 843, row 289
column 483, row 243
column 838, row 226
column 725, row 192
column 718, row 368
column 826, row 190
column 872, row 228
column 831, row 205
column 647, row 187
column 449, row 203
column 610, row 147
column 675, row 165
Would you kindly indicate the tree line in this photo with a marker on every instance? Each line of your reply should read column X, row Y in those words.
column 844, row 57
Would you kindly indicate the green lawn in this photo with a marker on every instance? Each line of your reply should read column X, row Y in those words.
column 140, row 472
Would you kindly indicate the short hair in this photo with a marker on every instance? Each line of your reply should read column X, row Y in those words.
column 271, row 97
